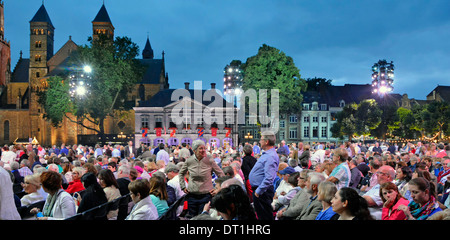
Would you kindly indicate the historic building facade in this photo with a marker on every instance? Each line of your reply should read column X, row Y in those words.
column 21, row 116
column 176, row 116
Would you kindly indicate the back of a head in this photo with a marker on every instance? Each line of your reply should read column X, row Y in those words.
column 248, row 150
column 357, row 205
column 228, row 170
column 89, row 179
column 234, row 194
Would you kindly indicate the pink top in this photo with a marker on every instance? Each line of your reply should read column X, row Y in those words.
column 393, row 213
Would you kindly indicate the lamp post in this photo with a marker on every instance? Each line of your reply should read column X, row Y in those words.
column 382, row 77
column 80, row 82
column 382, row 84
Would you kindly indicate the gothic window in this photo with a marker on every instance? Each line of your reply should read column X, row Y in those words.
column 6, row 130
column 38, row 44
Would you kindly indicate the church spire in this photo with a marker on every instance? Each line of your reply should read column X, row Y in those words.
column 102, row 24
column 147, row 53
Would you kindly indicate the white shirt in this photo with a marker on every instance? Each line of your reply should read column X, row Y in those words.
column 8, row 157
column 163, row 155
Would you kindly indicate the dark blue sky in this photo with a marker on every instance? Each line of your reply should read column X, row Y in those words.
column 333, row 39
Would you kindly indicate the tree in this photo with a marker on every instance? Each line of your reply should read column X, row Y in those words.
column 270, row 69
column 317, row 84
column 436, row 118
column 405, row 126
column 345, row 122
column 368, row 117
column 115, row 73
column 358, row 119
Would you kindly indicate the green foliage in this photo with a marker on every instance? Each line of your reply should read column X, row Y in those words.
column 358, row 119
column 115, row 72
column 55, row 100
column 272, row 69
column 317, row 84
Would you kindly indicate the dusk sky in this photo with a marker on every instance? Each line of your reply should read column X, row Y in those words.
column 333, row 39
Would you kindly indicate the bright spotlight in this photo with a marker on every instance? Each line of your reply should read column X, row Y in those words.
column 87, row 69
column 81, row 90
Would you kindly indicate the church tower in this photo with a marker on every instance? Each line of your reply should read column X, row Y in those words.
column 5, row 52
column 102, row 24
column 41, row 50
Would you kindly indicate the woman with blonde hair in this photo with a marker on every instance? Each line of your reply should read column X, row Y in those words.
column 31, row 185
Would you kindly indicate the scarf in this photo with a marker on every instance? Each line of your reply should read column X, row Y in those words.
column 51, row 199
column 422, row 213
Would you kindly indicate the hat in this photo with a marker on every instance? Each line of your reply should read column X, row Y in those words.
column 139, row 169
column 287, row 170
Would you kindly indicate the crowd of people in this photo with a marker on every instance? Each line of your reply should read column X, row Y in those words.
column 252, row 181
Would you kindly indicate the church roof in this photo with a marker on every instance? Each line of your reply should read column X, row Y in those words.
column 42, row 16
column 102, row 15
column 163, row 98
column 153, row 72
column 147, row 53
column 21, row 71
column 443, row 91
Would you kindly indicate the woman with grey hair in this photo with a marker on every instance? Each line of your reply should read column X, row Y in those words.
column 199, row 166
column 327, row 190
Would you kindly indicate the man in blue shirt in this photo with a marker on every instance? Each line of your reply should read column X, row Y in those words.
column 262, row 175
column 256, row 149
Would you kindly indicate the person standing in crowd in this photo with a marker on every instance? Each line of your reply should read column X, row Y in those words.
column 199, row 167
column 8, row 210
column 130, row 150
column 262, row 175
column 248, row 161
column 162, row 154
column 424, row 204
column 392, row 199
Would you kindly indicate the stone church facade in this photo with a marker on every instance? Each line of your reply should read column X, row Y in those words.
column 22, row 117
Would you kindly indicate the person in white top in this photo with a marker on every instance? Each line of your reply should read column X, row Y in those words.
column 162, row 154
column 143, row 208
column 8, row 156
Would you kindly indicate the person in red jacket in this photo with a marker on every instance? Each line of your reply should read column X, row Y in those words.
column 392, row 199
column 76, row 185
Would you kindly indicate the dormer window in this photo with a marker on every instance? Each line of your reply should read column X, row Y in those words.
column 315, row 106
column 306, row 107
column 323, row 107
column 342, row 103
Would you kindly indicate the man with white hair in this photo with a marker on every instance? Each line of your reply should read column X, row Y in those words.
column 199, row 166
column 385, row 174
column 262, row 175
